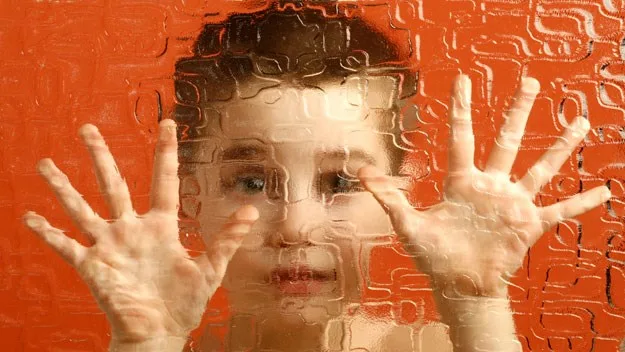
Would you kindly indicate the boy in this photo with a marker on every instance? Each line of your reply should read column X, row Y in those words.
column 288, row 126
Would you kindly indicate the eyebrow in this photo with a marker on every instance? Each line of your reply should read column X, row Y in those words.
column 252, row 152
column 247, row 152
column 351, row 154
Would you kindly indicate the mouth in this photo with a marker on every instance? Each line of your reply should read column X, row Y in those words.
column 303, row 280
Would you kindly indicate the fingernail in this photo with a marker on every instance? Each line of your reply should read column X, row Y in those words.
column 168, row 123
column 464, row 90
column 248, row 213
column 583, row 123
column 606, row 195
column 530, row 85
column 371, row 172
column 464, row 79
column 33, row 223
column 167, row 132
column 43, row 166
column 88, row 131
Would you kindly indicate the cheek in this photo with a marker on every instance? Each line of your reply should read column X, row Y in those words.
column 362, row 212
column 214, row 216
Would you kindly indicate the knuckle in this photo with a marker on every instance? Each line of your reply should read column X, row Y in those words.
column 116, row 186
column 123, row 227
column 542, row 169
column 88, row 130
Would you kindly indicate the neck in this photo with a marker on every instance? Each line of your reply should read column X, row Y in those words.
column 278, row 331
column 271, row 331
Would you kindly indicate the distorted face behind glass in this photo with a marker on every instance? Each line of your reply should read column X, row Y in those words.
column 288, row 134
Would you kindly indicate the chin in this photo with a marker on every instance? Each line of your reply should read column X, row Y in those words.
column 314, row 300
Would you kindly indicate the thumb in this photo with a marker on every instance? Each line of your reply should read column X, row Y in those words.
column 221, row 246
column 392, row 199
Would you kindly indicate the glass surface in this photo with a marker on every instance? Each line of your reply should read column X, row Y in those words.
column 281, row 105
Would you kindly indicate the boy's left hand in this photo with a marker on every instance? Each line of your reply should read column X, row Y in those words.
column 476, row 238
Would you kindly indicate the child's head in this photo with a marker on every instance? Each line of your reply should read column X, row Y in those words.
column 280, row 109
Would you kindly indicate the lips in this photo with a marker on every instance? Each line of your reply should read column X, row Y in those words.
column 302, row 280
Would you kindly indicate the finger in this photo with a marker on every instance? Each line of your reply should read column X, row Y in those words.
column 112, row 186
column 507, row 143
column 75, row 206
column 390, row 198
column 576, row 205
column 551, row 161
column 165, row 182
column 461, row 140
column 70, row 250
column 222, row 246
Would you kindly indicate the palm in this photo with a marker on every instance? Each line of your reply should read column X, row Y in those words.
column 483, row 234
column 137, row 269
column 473, row 241
column 138, row 282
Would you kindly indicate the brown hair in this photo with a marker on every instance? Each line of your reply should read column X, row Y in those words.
column 299, row 46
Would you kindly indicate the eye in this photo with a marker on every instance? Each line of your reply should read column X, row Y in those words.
column 244, row 179
column 339, row 182
column 250, row 184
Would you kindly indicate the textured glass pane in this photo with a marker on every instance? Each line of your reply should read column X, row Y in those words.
column 424, row 173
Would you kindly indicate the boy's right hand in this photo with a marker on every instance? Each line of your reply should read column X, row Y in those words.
column 137, row 269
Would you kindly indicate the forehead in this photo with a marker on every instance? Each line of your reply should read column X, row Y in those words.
column 338, row 117
column 327, row 112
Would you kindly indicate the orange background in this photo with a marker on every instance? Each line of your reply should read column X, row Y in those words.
column 110, row 63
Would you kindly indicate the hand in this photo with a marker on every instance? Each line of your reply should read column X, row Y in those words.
column 137, row 269
column 472, row 242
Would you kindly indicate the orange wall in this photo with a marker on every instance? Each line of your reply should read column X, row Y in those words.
column 63, row 64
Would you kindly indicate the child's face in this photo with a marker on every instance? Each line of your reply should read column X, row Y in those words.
column 293, row 153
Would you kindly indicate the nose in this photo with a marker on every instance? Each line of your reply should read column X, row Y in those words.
column 300, row 220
